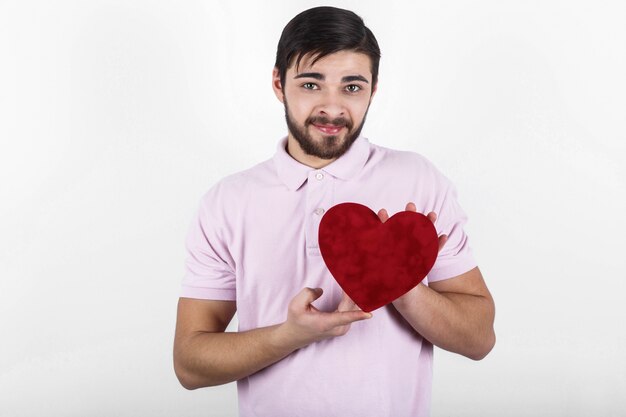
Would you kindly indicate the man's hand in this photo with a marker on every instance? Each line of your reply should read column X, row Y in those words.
column 384, row 216
column 306, row 324
column 455, row 314
column 205, row 355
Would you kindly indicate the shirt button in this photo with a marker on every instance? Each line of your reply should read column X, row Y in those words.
column 319, row 211
column 319, row 176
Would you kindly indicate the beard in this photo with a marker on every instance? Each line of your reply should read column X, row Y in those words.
column 330, row 146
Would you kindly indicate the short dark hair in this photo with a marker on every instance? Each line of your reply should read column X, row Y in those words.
column 322, row 31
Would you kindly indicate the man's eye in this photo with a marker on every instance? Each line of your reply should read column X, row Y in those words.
column 353, row 88
column 309, row 86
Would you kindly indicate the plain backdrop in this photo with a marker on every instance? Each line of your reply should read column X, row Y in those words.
column 116, row 116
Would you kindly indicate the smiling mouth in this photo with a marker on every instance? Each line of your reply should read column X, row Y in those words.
column 328, row 129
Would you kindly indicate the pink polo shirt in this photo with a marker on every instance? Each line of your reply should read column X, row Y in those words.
column 254, row 241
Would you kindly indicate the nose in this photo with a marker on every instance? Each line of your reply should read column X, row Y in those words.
column 332, row 105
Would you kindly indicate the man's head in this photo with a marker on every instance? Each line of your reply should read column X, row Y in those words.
column 322, row 31
column 326, row 74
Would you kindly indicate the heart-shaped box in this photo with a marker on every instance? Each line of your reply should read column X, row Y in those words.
column 376, row 262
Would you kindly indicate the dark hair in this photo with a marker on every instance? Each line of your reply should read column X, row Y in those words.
column 322, row 31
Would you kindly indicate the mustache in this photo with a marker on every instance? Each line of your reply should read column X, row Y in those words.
column 321, row 120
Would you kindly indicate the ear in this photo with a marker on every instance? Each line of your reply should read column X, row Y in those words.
column 374, row 89
column 277, row 85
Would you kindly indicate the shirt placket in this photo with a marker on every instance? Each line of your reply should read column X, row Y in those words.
column 318, row 200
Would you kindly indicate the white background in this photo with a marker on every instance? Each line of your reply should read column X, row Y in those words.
column 116, row 116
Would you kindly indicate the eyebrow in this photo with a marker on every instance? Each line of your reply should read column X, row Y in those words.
column 321, row 77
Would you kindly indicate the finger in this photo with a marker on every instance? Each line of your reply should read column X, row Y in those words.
column 308, row 295
column 432, row 216
column 383, row 215
column 410, row 207
column 341, row 318
column 347, row 304
column 347, row 298
column 442, row 241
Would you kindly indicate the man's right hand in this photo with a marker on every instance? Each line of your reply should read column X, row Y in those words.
column 306, row 324
column 206, row 355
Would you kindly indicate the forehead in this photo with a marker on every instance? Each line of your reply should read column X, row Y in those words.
column 339, row 63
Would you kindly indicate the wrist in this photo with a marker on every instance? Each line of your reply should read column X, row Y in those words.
column 409, row 298
column 284, row 340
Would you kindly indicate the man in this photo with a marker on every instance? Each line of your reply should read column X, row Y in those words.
column 303, row 348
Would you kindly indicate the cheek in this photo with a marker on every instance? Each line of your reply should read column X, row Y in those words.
column 358, row 111
column 299, row 108
column 298, row 113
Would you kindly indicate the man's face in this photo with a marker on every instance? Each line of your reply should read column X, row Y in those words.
column 326, row 103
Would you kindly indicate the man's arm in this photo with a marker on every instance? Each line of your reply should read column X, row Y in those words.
column 204, row 355
column 456, row 314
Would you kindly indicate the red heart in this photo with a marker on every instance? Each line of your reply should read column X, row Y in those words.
column 376, row 262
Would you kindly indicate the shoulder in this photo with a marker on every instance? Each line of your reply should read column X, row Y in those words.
column 255, row 175
column 233, row 188
column 407, row 163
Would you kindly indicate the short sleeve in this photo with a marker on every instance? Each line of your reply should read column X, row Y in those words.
column 456, row 257
column 209, row 267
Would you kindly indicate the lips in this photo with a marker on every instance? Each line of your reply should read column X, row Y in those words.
column 328, row 129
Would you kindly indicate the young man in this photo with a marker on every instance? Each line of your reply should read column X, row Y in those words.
column 303, row 348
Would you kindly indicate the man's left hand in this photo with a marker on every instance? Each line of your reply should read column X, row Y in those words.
column 384, row 216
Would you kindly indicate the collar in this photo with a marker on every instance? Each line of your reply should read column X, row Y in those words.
column 294, row 173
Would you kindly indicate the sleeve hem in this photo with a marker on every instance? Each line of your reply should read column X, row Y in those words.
column 451, row 271
column 208, row 293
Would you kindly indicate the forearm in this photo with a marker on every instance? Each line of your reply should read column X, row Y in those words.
column 459, row 323
column 208, row 359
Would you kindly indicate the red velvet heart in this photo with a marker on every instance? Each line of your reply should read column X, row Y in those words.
column 376, row 262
